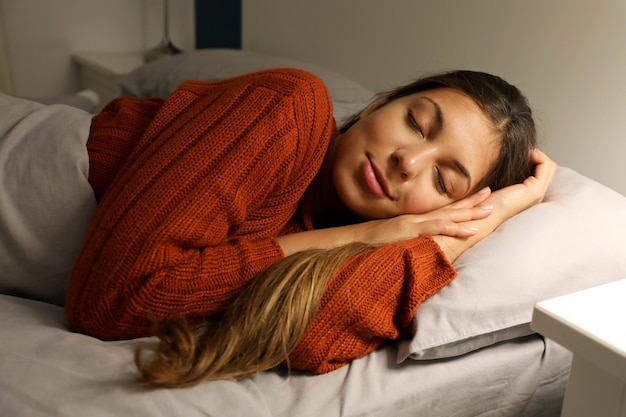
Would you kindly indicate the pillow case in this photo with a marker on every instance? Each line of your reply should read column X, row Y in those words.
column 161, row 77
column 572, row 241
column 46, row 202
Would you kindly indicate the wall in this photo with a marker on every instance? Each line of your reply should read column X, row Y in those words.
column 570, row 61
column 41, row 36
column 568, row 57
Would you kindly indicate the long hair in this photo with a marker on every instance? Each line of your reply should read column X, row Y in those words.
column 273, row 312
column 258, row 331
column 505, row 106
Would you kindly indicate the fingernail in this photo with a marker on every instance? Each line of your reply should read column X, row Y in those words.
column 487, row 207
column 484, row 190
column 472, row 229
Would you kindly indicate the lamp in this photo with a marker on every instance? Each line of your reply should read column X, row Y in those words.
column 165, row 47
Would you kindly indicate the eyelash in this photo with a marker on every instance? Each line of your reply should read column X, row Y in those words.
column 413, row 124
column 440, row 183
column 439, row 179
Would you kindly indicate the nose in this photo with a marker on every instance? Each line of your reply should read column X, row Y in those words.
column 409, row 162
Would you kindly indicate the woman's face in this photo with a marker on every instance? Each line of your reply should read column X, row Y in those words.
column 415, row 154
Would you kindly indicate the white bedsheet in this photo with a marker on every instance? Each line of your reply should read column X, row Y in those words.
column 45, row 370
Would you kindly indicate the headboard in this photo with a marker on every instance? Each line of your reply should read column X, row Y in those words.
column 218, row 24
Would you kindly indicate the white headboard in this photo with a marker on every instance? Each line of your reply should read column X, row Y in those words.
column 6, row 83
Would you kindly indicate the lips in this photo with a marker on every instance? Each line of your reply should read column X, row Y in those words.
column 374, row 180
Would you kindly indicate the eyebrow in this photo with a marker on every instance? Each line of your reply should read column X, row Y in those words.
column 440, row 121
column 438, row 112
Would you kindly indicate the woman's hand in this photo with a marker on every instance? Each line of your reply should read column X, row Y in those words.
column 455, row 227
column 506, row 203
column 447, row 221
column 516, row 198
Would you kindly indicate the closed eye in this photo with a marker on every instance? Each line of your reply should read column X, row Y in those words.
column 413, row 123
column 439, row 180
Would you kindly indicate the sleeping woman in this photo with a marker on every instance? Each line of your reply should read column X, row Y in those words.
column 255, row 234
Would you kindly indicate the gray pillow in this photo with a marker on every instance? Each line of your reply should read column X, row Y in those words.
column 46, row 202
column 159, row 78
column 572, row 241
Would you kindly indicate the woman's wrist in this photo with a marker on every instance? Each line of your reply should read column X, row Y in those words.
column 454, row 246
column 329, row 238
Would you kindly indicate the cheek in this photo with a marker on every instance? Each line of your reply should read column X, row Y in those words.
column 346, row 184
column 422, row 201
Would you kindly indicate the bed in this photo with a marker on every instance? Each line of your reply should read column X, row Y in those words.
column 473, row 352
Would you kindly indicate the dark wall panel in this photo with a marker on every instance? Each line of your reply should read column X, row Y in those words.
column 218, row 24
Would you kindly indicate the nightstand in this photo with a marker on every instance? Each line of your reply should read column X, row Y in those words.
column 592, row 325
column 100, row 72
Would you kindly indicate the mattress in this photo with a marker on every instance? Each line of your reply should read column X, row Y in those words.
column 47, row 370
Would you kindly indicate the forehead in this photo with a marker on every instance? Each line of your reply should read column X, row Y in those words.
column 450, row 98
column 452, row 106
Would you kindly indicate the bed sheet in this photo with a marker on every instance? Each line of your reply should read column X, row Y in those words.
column 47, row 370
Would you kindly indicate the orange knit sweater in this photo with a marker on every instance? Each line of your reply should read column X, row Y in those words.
column 195, row 189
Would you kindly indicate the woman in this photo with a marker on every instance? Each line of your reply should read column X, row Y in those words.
column 238, row 206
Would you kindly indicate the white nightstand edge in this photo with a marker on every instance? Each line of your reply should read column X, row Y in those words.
column 608, row 357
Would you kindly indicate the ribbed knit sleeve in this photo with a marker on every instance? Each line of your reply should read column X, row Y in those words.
column 113, row 135
column 372, row 298
column 193, row 213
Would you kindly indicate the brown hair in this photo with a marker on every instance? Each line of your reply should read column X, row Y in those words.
column 273, row 312
column 257, row 332
column 503, row 103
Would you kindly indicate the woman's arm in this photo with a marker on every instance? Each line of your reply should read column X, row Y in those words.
column 374, row 295
column 192, row 216
column 455, row 227
column 371, row 298
column 445, row 221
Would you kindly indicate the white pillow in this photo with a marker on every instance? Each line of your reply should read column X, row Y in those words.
column 161, row 77
column 46, row 202
column 574, row 240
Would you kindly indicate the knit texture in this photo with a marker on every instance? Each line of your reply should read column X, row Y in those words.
column 373, row 298
column 114, row 132
column 195, row 189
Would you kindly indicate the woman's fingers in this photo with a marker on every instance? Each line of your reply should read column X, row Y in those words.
column 545, row 168
column 544, row 172
column 441, row 227
column 459, row 219
column 450, row 223
column 516, row 198
column 456, row 215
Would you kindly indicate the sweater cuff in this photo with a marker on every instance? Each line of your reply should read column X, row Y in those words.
column 372, row 298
